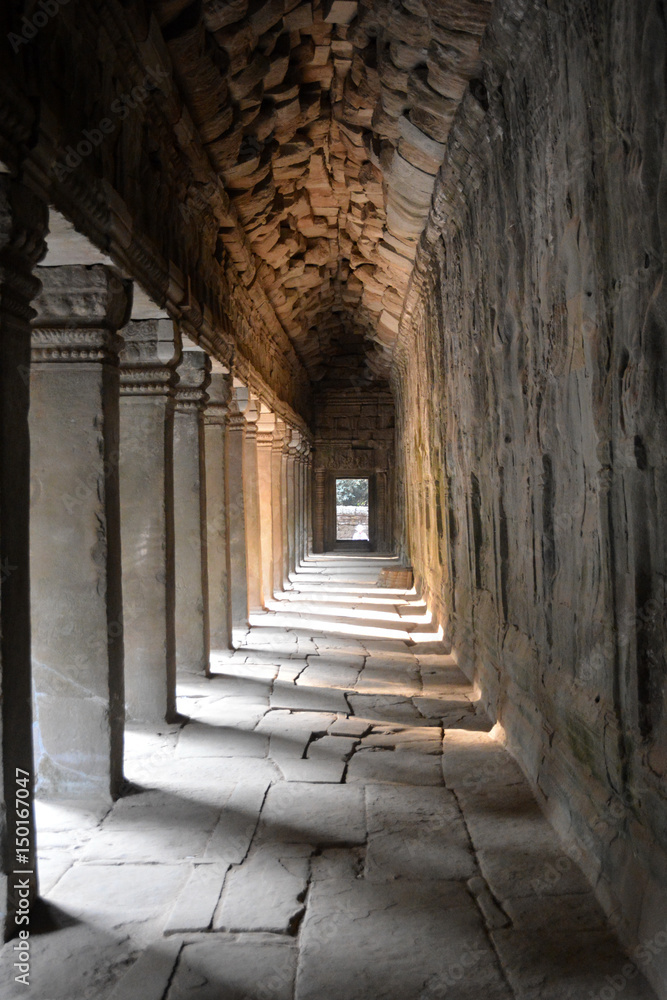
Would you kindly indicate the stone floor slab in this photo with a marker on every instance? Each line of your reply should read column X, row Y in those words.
column 130, row 893
column 350, row 726
column 322, row 815
column 386, row 708
column 233, row 833
column 156, row 809
column 556, row 914
column 417, row 834
column 365, row 941
column 300, row 698
column 149, row 977
column 552, row 966
column 197, row 901
column 413, row 738
column 165, row 844
column 235, row 967
column 396, row 767
column 331, row 748
column 326, row 674
column 437, row 708
column 530, row 872
column 266, row 892
column 325, row 771
column 206, row 740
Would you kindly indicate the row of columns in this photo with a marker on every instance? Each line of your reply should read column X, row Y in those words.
column 149, row 502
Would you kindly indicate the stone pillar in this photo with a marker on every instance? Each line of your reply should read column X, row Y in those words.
column 303, row 506
column 292, row 450
column 309, row 502
column 382, row 519
column 265, row 427
column 298, row 497
column 238, row 589
column 147, row 359
column 75, row 557
column 215, row 432
column 277, row 506
column 192, row 629
column 284, row 479
column 23, row 224
column 251, row 507
column 318, row 509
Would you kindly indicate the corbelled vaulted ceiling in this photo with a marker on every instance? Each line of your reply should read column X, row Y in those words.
column 327, row 123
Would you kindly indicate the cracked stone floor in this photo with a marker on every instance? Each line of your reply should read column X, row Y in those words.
column 331, row 820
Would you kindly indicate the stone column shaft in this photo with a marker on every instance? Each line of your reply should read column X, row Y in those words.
column 23, row 224
column 277, row 506
column 192, row 625
column 75, row 532
column 284, row 478
column 238, row 590
column 291, row 513
column 147, row 518
column 298, row 521
column 265, row 492
column 309, row 505
column 318, row 511
column 303, row 526
column 252, row 513
column 215, row 431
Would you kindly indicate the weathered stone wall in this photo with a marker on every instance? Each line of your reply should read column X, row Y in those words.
column 531, row 413
column 354, row 436
column 348, row 519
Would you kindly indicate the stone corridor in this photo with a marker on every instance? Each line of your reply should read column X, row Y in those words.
column 329, row 818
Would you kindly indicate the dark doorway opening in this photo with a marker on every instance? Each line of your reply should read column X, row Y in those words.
column 352, row 510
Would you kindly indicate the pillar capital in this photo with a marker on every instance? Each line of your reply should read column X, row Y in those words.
column 78, row 311
column 293, row 441
column 266, row 423
column 251, row 415
column 148, row 356
column 235, row 418
column 24, row 222
column 193, row 375
column 219, row 396
column 279, row 431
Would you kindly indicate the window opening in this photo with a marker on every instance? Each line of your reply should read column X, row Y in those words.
column 352, row 510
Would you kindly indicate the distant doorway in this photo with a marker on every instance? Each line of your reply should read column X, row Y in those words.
column 352, row 510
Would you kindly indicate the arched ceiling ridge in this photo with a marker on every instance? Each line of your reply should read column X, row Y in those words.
column 327, row 123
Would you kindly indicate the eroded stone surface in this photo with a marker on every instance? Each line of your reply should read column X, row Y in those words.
column 530, row 422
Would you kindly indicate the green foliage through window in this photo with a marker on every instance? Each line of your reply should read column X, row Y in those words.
column 352, row 492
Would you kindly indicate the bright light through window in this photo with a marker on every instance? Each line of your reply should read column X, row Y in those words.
column 352, row 510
